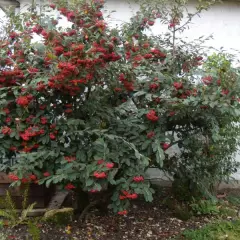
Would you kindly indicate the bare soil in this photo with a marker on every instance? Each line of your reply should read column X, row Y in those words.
column 145, row 221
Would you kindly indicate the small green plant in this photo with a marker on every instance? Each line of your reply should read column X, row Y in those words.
column 33, row 230
column 11, row 214
column 205, row 207
column 1, row 224
column 228, row 211
column 14, row 217
column 216, row 231
column 234, row 200
column 9, row 211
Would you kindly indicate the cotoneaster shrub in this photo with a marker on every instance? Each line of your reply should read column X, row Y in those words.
column 58, row 99
column 90, row 108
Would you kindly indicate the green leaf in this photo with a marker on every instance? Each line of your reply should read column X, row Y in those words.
column 89, row 182
column 148, row 195
column 48, row 182
column 160, row 155
column 237, row 112
column 137, row 155
column 81, row 155
column 111, row 176
column 115, row 196
column 12, row 134
column 98, row 156
column 146, row 144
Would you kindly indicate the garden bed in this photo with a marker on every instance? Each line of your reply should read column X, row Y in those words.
column 144, row 221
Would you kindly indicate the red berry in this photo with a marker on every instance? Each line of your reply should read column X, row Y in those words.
column 69, row 186
column 100, row 175
column 165, row 146
column 178, row 85
column 151, row 115
column 46, row 174
column 150, row 134
column 109, row 165
column 33, row 177
column 138, row 179
column 124, row 212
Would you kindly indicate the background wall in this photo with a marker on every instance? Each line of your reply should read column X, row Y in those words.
column 222, row 21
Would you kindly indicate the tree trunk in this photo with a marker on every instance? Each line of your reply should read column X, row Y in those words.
column 81, row 201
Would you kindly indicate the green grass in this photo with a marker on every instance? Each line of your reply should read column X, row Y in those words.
column 224, row 230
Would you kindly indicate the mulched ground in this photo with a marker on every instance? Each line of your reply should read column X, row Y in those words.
column 145, row 221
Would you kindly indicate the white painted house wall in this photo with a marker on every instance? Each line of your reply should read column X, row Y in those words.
column 222, row 21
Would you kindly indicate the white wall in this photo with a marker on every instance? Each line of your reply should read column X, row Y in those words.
column 222, row 21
